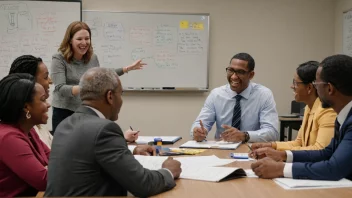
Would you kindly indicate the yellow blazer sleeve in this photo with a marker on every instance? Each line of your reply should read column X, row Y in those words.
column 326, row 122
column 291, row 144
column 322, row 132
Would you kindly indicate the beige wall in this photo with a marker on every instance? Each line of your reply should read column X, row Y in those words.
column 279, row 34
column 340, row 7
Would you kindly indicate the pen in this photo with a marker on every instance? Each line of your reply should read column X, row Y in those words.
column 201, row 125
column 132, row 130
column 250, row 148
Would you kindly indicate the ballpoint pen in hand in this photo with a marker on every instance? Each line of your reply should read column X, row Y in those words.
column 132, row 130
column 250, row 148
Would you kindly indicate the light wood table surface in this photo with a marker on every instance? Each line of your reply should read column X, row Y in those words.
column 244, row 187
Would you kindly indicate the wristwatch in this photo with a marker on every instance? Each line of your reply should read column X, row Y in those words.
column 246, row 137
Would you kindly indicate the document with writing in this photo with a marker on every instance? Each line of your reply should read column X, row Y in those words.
column 211, row 144
column 295, row 184
column 197, row 168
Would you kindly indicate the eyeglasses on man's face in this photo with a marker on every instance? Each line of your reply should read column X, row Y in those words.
column 318, row 83
column 239, row 72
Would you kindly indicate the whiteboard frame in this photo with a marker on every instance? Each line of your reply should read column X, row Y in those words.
column 72, row 1
column 176, row 89
column 342, row 36
column 347, row 11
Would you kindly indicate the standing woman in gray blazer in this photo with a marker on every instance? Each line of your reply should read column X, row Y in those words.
column 75, row 57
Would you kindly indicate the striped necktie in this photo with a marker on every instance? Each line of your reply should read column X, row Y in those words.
column 236, row 119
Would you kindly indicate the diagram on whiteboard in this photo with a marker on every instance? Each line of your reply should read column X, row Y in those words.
column 18, row 17
column 171, row 45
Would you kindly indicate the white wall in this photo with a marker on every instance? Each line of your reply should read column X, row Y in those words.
column 340, row 7
column 279, row 34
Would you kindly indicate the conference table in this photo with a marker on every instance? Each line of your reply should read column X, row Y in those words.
column 241, row 187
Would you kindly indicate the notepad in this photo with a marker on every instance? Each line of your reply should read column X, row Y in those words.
column 211, row 145
column 165, row 139
column 295, row 184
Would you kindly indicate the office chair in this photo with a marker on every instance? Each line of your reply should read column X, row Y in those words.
column 297, row 108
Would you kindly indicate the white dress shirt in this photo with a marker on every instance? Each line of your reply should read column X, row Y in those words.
column 258, row 112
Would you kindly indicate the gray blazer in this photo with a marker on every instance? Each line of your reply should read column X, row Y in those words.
column 89, row 157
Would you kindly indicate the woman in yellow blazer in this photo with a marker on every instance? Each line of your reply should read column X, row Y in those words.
column 317, row 128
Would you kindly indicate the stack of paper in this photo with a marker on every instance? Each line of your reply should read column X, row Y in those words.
column 211, row 144
column 294, row 184
column 197, row 168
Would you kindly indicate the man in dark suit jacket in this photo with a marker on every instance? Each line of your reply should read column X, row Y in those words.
column 89, row 155
column 333, row 83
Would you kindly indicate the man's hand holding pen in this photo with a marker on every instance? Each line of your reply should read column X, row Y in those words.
column 131, row 135
column 199, row 133
column 268, row 152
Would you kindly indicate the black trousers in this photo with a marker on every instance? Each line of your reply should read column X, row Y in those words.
column 58, row 116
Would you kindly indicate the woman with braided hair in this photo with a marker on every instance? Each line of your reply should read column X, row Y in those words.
column 36, row 67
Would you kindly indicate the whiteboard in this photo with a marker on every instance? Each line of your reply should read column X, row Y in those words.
column 36, row 28
column 33, row 27
column 347, row 33
column 174, row 46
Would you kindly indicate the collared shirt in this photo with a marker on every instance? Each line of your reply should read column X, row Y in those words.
column 258, row 112
column 341, row 117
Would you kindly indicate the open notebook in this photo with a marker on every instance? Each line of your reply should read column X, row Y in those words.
column 165, row 139
column 197, row 168
column 295, row 184
column 211, row 145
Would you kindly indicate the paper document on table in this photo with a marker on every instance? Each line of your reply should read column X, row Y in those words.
column 197, row 168
column 295, row 184
column 155, row 162
column 211, row 144
column 250, row 173
column 213, row 174
column 203, row 161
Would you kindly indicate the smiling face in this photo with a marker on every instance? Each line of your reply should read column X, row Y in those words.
column 300, row 90
column 38, row 107
column 239, row 79
column 42, row 77
column 80, row 43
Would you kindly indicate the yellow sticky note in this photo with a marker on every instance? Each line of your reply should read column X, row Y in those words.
column 184, row 24
column 198, row 26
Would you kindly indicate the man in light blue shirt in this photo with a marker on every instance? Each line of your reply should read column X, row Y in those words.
column 254, row 118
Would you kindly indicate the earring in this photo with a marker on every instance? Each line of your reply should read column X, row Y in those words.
column 28, row 115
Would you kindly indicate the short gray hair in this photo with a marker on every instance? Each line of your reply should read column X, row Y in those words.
column 96, row 81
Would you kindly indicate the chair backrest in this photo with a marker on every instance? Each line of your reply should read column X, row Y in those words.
column 297, row 107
